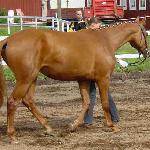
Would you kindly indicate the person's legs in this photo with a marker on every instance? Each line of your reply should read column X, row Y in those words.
column 113, row 110
column 89, row 115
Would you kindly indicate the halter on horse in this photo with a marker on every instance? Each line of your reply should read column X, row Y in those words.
column 80, row 56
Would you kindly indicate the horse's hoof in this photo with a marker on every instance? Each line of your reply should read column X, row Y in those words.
column 115, row 129
column 72, row 128
column 86, row 125
column 49, row 134
column 13, row 142
column 48, row 131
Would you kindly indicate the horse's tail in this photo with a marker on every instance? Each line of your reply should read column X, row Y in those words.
column 2, row 80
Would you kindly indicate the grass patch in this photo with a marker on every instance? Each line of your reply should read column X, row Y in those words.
column 128, row 49
column 10, row 76
column 134, row 68
column 4, row 31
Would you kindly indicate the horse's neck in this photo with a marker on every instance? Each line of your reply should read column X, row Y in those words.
column 121, row 34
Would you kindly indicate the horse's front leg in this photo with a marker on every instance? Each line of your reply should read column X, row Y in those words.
column 12, row 103
column 103, row 85
column 84, row 91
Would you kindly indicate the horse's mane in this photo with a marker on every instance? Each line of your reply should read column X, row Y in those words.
column 116, row 24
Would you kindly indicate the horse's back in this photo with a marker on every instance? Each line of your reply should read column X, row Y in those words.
column 56, row 51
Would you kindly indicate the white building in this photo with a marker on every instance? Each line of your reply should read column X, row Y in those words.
column 68, row 4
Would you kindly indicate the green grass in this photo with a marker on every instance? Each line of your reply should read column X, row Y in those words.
column 134, row 68
column 13, row 29
column 128, row 49
column 4, row 31
column 10, row 76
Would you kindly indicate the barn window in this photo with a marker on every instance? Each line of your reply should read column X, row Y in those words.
column 123, row 3
column 142, row 4
column 89, row 3
column 132, row 4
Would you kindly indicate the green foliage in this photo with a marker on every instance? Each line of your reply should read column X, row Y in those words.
column 8, row 74
column 16, row 20
column 3, row 12
column 3, row 31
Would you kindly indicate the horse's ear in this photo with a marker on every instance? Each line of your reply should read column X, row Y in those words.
column 137, row 19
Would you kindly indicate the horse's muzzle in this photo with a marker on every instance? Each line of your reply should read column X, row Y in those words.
column 146, row 53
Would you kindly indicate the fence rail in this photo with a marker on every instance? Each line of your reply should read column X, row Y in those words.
column 35, row 22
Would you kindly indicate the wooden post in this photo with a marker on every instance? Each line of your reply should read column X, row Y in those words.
column 59, row 13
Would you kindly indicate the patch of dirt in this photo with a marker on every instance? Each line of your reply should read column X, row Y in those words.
column 60, row 103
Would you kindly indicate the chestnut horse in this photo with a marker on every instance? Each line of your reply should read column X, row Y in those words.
column 80, row 56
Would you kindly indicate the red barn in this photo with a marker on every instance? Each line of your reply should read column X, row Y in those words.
column 28, row 7
column 134, row 8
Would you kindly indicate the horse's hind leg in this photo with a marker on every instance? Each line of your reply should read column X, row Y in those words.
column 84, row 91
column 12, row 103
column 30, row 104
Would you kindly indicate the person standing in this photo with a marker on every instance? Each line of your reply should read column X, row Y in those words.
column 95, row 23
column 78, row 22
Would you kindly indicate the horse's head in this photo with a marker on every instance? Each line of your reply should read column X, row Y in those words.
column 138, row 39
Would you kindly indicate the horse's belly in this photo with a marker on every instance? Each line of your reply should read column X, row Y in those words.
column 66, row 74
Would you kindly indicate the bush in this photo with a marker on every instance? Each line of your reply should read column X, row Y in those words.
column 3, row 12
column 16, row 20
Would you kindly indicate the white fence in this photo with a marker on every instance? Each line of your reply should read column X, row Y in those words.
column 56, row 24
column 36, row 22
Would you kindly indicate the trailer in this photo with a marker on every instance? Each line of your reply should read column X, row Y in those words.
column 105, row 9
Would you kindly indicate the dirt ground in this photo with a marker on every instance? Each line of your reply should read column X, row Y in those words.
column 60, row 103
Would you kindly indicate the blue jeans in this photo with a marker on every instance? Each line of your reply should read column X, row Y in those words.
column 89, row 115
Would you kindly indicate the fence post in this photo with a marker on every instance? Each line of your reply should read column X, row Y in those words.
column 21, row 23
column 36, row 22
column 8, row 25
column 62, row 26
column 67, row 26
column 58, row 24
column 53, row 24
